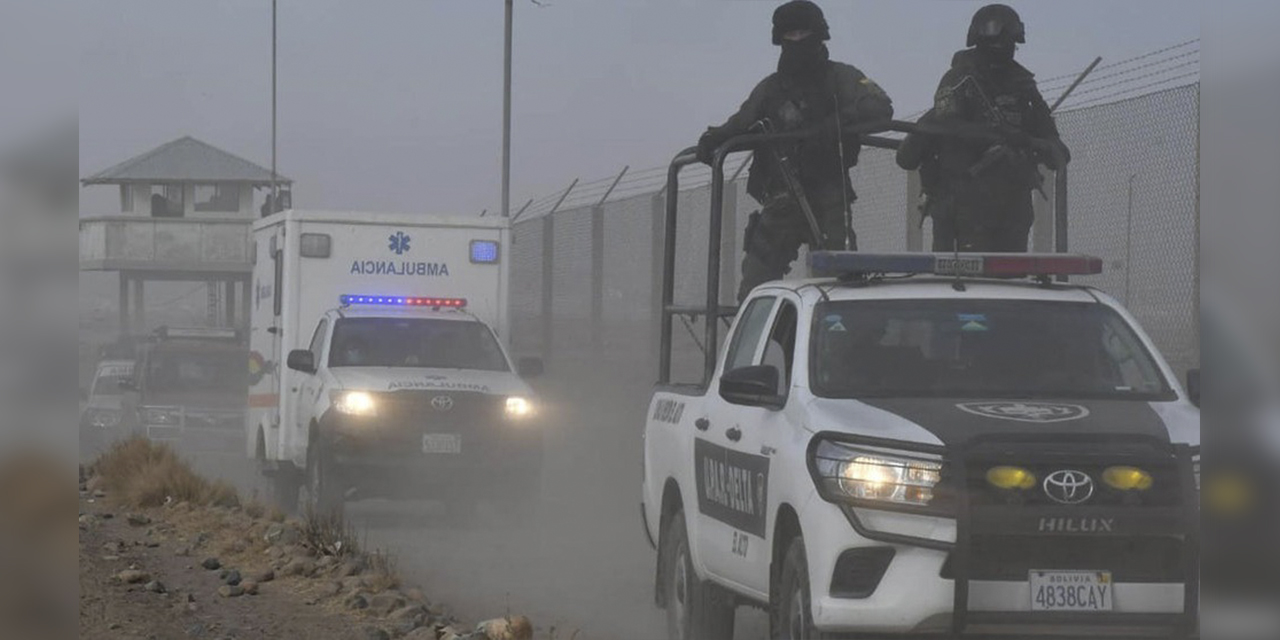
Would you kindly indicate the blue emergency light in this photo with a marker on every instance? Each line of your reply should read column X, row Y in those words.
column 484, row 251
column 402, row 301
column 828, row 264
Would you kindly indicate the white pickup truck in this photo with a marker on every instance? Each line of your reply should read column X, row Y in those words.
column 920, row 445
column 378, row 364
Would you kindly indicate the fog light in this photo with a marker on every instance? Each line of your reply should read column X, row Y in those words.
column 1127, row 479
column 1011, row 478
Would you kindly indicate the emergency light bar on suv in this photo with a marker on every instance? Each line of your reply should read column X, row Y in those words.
column 826, row 264
column 403, row 301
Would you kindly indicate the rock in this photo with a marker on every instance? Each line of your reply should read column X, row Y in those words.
column 266, row 575
column 137, row 520
column 281, row 534
column 152, row 544
column 222, row 575
column 99, row 493
column 107, row 515
column 386, row 602
column 250, row 587
column 356, row 601
column 350, row 568
column 232, row 578
column 298, row 567
column 197, row 630
column 416, row 595
column 230, row 591
column 112, row 548
column 192, row 607
column 326, row 562
column 132, row 576
column 351, row 583
column 110, row 558
column 449, row 633
column 211, row 564
column 517, row 628
column 374, row 633
column 421, row 633
column 183, row 552
column 275, row 552
column 87, row 520
column 155, row 586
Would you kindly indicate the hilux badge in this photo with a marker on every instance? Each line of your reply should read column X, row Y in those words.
column 1037, row 412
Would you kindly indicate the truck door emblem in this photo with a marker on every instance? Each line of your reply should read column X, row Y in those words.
column 1068, row 487
column 442, row 403
column 1037, row 412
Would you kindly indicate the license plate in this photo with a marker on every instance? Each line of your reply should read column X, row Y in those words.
column 1071, row 591
column 441, row 443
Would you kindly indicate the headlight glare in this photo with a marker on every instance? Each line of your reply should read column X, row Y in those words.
column 846, row 472
column 518, row 407
column 354, row 403
column 1127, row 478
column 1011, row 478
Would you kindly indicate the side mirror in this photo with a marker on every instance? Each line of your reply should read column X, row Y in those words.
column 755, row 386
column 1193, row 386
column 530, row 367
column 301, row 360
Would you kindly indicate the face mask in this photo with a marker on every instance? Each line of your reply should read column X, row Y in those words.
column 998, row 54
column 802, row 57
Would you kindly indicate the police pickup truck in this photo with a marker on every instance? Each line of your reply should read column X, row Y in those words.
column 924, row 445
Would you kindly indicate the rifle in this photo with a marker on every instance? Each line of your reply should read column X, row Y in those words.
column 793, row 184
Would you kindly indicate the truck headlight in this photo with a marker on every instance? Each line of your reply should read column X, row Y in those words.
column 849, row 473
column 164, row 416
column 103, row 418
column 518, row 407
column 354, row 403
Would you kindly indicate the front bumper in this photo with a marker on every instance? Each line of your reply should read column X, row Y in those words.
column 967, row 576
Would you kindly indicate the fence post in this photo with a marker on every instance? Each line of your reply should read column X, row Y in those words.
column 597, row 276
column 657, row 225
column 548, row 280
column 915, row 231
column 728, row 243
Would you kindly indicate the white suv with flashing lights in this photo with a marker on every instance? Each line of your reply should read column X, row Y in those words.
column 928, row 456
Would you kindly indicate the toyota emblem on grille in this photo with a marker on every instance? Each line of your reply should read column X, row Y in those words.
column 1068, row 487
column 442, row 403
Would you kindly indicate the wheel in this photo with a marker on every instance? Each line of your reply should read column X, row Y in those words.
column 286, row 485
column 696, row 610
column 322, row 493
column 792, row 614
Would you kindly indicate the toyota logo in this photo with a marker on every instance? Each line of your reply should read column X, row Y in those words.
column 1068, row 487
column 442, row 403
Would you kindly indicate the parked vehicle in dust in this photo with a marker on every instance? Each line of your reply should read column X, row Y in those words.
column 380, row 368
column 102, row 409
column 928, row 455
column 188, row 386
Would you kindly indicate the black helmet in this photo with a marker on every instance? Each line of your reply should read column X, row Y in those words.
column 798, row 15
column 996, row 21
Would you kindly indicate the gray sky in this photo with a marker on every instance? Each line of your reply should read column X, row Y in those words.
column 396, row 104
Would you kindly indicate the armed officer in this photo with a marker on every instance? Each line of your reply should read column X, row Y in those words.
column 808, row 91
column 981, row 145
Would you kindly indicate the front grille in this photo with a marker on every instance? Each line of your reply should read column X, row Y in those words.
column 1141, row 559
column 213, row 420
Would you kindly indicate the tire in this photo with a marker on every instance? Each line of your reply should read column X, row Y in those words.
column 322, row 493
column 696, row 610
column 791, row 616
column 286, row 485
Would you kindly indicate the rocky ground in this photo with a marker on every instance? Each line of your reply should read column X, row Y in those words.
column 224, row 572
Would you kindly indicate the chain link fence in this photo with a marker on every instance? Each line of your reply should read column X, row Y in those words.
column 586, row 269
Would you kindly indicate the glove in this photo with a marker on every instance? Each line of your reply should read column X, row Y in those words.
column 707, row 145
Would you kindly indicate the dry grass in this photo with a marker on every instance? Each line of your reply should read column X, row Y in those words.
column 142, row 473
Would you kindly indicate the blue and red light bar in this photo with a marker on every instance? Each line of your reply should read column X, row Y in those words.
column 403, row 301
column 828, row 264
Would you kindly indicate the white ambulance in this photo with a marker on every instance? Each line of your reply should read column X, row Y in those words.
column 378, row 361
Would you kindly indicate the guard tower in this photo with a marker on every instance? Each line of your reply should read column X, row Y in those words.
column 186, row 212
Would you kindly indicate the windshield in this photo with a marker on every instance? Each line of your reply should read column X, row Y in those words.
column 979, row 349
column 197, row 370
column 415, row 342
column 107, row 382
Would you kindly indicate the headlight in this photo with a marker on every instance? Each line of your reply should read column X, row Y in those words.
column 104, row 418
column 354, row 403
column 849, row 472
column 161, row 416
column 518, row 407
column 1127, row 478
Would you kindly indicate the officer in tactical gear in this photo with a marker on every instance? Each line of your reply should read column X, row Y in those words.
column 994, row 130
column 808, row 91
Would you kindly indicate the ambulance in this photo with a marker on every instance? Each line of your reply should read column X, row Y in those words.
column 379, row 362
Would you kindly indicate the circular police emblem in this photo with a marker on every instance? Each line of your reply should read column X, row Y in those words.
column 1037, row 412
column 1068, row 487
column 442, row 403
